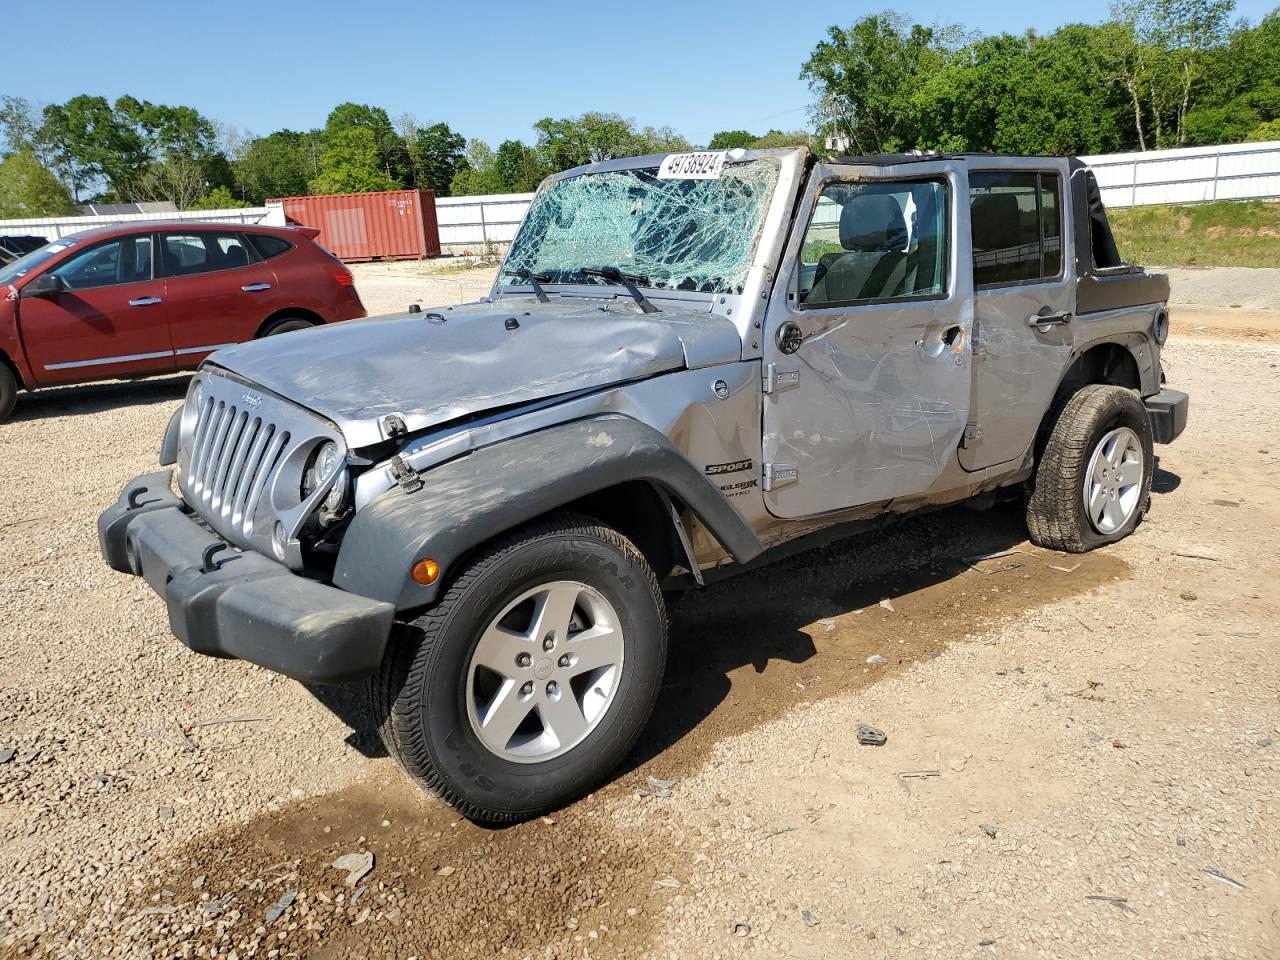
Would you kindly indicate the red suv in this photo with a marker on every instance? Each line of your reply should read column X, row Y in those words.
column 149, row 298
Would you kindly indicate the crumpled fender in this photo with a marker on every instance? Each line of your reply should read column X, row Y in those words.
column 468, row 501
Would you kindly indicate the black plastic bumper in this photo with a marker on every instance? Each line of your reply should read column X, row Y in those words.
column 1168, row 412
column 240, row 604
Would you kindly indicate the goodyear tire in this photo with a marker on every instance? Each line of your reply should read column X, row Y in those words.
column 1092, row 484
column 532, row 677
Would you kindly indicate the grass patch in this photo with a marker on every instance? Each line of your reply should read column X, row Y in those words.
column 1229, row 233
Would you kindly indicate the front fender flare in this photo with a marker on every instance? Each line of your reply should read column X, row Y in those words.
column 468, row 501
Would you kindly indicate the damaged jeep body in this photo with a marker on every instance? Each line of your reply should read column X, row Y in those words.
column 687, row 364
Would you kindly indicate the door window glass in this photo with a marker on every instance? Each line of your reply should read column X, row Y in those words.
column 186, row 254
column 875, row 242
column 1017, row 236
column 127, row 260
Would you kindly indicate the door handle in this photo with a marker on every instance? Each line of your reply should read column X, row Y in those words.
column 255, row 287
column 1049, row 319
column 144, row 301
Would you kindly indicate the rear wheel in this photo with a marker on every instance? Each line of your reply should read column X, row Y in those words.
column 286, row 325
column 1092, row 484
column 531, row 678
column 8, row 391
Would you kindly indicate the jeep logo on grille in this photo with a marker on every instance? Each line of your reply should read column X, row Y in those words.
column 251, row 400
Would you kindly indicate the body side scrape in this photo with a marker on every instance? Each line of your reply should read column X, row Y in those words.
column 470, row 500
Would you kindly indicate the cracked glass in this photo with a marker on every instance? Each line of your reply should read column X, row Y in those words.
column 675, row 234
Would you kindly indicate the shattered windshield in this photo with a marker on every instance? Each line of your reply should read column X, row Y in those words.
column 676, row 234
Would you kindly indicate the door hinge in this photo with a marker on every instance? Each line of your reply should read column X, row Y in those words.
column 972, row 433
column 775, row 380
column 779, row 475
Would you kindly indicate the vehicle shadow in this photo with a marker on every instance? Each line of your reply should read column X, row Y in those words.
column 758, row 618
column 1164, row 481
column 99, row 397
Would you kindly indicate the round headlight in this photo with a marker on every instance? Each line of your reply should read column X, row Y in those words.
column 191, row 409
column 326, row 462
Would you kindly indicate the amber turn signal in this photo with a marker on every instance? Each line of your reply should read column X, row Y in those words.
column 425, row 572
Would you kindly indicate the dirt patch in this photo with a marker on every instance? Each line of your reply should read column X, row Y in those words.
column 744, row 653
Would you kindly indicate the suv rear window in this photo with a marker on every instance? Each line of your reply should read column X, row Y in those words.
column 184, row 254
column 269, row 246
column 1017, row 236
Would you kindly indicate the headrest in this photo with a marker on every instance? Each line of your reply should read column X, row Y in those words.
column 872, row 222
column 997, row 221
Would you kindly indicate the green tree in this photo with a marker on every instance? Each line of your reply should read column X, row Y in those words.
column 349, row 163
column 480, row 174
column 92, row 143
column 517, row 167
column 866, row 76
column 731, row 139
column 280, row 164
column 780, row 138
column 219, row 198
column 391, row 151
column 438, row 156
column 28, row 189
column 590, row 138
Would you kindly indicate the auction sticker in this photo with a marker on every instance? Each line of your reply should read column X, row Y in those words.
column 704, row 165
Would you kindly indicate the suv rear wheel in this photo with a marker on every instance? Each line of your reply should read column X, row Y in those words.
column 531, row 678
column 286, row 325
column 1092, row 484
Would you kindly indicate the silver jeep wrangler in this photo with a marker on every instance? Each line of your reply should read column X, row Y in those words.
column 686, row 361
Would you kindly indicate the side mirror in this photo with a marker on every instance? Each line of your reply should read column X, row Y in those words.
column 45, row 285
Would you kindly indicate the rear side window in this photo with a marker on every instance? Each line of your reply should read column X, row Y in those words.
column 184, row 254
column 1015, row 218
column 269, row 246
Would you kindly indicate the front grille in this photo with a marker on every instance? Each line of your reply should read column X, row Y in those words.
column 242, row 458
column 233, row 454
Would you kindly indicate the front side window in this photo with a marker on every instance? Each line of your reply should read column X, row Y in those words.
column 1017, row 233
column 875, row 241
column 186, row 254
column 127, row 260
column 677, row 234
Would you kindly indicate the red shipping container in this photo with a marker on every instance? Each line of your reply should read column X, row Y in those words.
column 393, row 225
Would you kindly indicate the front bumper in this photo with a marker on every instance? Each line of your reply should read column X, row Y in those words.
column 1168, row 412
column 225, row 602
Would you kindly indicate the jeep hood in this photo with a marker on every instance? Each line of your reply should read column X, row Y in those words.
column 437, row 366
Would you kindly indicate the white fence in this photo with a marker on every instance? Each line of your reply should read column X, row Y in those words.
column 1234, row 171
column 54, row 228
column 476, row 222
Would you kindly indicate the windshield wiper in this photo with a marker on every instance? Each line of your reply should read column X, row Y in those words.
column 628, row 280
column 535, row 280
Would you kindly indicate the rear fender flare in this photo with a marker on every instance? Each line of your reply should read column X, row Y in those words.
column 471, row 500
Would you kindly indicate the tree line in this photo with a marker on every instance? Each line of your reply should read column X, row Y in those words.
column 1157, row 73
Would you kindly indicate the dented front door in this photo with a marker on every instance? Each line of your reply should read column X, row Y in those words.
column 866, row 356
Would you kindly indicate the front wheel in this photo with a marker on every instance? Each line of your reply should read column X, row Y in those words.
column 1092, row 484
column 8, row 391
column 531, row 678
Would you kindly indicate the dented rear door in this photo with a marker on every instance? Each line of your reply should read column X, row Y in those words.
column 866, row 357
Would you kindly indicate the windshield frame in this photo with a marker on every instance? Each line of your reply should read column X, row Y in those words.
column 766, row 249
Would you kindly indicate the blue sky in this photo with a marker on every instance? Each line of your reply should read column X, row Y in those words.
column 488, row 69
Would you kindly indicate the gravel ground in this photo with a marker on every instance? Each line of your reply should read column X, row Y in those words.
column 1114, row 724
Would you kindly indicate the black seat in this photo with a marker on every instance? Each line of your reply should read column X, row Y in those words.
column 873, row 233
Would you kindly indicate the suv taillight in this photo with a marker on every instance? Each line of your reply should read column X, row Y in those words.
column 342, row 275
